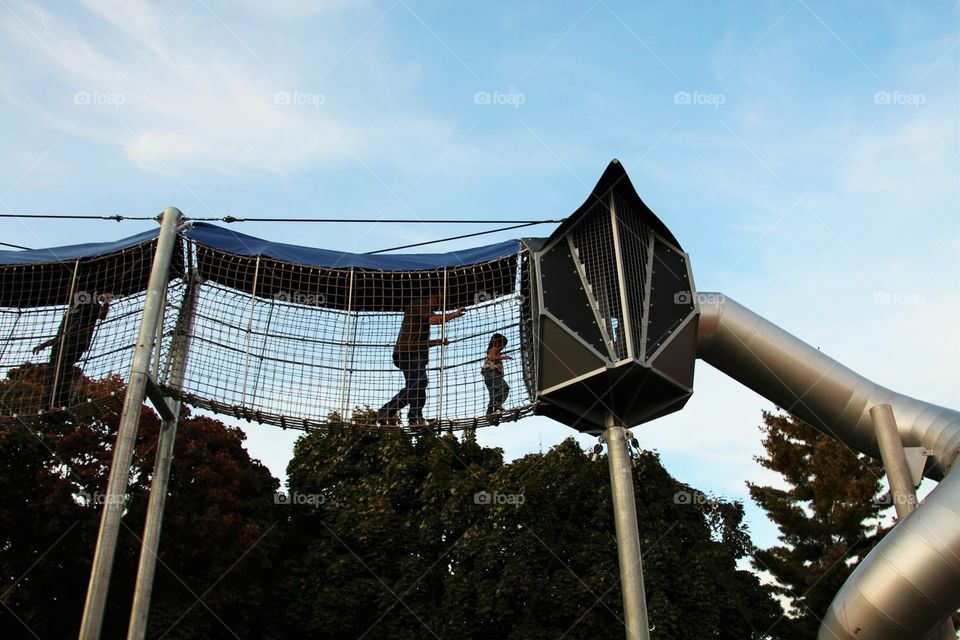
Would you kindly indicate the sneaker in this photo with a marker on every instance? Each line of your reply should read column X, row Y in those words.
column 419, row 421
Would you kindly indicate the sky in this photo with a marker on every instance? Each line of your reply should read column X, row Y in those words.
column 804, row 153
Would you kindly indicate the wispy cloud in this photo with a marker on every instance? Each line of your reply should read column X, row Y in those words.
column 179, row 87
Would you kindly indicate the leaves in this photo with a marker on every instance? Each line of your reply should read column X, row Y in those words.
column 827, row 516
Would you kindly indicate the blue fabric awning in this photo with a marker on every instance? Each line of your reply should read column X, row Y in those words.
column 75, row 251
column 230, row 241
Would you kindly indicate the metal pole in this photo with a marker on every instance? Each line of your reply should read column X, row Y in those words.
column 894, row 460
column 628, row 536
column 902, row 491
column 348, row 323
column 253, row 304
column 161, row 473
column 441, row 374
column 96, row 601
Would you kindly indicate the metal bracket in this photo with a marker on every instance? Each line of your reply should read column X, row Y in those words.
column 159, row 400
column 917, row 462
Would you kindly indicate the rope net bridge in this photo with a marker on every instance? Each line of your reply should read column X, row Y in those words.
column 280, row 334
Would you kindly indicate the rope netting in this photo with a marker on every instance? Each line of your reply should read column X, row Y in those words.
column 275, row 341
column 68, row 329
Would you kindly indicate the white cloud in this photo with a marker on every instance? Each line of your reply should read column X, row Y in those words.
column 194, row 95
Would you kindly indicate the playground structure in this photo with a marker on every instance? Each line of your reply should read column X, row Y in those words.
column 602, row 321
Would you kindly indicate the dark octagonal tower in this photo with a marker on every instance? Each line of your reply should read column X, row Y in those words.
column 615, row 313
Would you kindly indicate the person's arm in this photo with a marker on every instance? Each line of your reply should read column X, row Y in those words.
column 43, row 345
column 494, row 355
column 440, row 318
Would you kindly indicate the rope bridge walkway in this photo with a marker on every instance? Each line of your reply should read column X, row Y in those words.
column 273, row 333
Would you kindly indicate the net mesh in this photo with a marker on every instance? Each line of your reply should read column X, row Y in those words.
column 274, row 342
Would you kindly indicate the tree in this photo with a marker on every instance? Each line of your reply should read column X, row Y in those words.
column 396, row 535
column 216, row 539
column 827, row 516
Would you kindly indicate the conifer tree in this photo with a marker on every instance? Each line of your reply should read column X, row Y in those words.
column 827, row 516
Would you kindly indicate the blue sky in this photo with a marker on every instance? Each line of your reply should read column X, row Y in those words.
column 804, row 153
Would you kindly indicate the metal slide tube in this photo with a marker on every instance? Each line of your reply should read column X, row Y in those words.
column 628, row 535
column 96, row 600
column 902, row 491
column 910, row 582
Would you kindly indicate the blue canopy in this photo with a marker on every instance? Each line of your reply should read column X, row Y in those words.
column 230, row 241
column 236, row 243
column 75, row 251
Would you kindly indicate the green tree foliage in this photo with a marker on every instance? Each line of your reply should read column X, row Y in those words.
column 413, row 536
column 827, row 515
column 377, row 537
column 53, row 479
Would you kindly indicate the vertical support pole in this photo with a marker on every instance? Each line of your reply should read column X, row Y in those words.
column 161, row 472
column 902, row 491
column 347, row 351
column 894, row 460
column 443, row 336
column 63, row 336
column 628, row 535
column 246, row 356
column 96, row 601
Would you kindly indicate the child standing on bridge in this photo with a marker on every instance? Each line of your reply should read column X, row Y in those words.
column 492, row 371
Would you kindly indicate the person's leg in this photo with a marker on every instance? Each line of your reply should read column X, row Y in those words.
column 489, row 379
column 502, row 389
column 393, row 406
column 417, row 383
column 57, row 388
